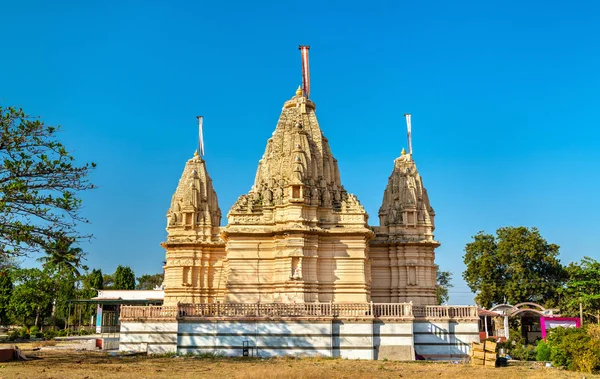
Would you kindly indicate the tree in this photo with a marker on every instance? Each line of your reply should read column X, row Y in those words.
column 61, row 256
column 149, row 282
column 124, row 278
column 108, row 281
column 39, row 184
column 442, row 285
column 517, row 265
column 32, row 297
column 91, row 282
column 582, row 286
column 6, row 288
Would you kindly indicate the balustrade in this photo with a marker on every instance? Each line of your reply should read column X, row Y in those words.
column 266, row 310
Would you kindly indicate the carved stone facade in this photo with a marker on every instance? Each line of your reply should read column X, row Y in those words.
column 402, row 251
column 298, row 235
column 194, row 270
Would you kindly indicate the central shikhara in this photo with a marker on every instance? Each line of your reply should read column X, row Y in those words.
column 298, row 236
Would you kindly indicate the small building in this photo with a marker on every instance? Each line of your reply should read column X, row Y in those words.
column 109, row 302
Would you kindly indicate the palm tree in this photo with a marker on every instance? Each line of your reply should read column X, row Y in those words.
column 63, row 257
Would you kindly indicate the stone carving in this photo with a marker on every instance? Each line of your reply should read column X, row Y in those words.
column 298, row 235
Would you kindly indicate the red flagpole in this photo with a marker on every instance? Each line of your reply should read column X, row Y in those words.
column 305, row 69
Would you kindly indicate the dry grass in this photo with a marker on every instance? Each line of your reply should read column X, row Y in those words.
column 68, row 364
column 43, row 343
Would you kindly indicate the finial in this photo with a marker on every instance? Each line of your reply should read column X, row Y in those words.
column 196, row 153
column 299, row 91
column 403, row 151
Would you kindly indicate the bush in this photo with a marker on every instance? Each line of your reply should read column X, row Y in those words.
column 13, row 335
column 35, row 332
column 523, row 352
column 576, row 349
column 61, row 333
column 50, row 334
column 542, row 351
column 23, row 334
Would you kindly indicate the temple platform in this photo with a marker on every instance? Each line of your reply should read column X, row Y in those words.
column 394, row 331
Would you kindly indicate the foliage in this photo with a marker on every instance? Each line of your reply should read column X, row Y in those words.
column 124, row 278
column 442, row 285
column 577, row 349
column 582, row 286
column 62, row 257
column 91, row 282
column 39, row 183
column 542, row 351
column 523, row 352
column 50, row 334
column 517, row 264
column 6, row 289
column 150, row 282
column 108, row 281
column 32, row 296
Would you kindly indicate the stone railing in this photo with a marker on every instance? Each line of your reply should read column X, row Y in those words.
column 148, row 312
column 445, row 311
column 270, row 310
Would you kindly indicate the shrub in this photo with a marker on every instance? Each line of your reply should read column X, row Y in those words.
column 62, row 333
column 23, row 334
column 542, row 351
column 523, row 352
column 50, row 334
column 13, row 335
column 576, row 349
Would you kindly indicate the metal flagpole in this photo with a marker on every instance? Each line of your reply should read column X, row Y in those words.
column 200, row 136
column 408, row 126
column 305, row 70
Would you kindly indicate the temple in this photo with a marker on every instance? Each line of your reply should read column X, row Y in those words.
column 298, row 236
column 298, row 270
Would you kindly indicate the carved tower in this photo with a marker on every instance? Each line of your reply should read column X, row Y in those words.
column 195, row 252
column 402, row 252
column 297, row 236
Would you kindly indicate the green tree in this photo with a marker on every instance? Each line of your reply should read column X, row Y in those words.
column 39, row 185
column 124, row 278
column 442, row 285
column 6, row 288
column 32, row 297
column 517, row 264
column 91, row 282
column 582, row 286
column 63, row 257
column 109, row 281
column 149, row 282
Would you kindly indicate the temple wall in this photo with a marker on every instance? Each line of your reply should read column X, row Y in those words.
column 299, row 267
column 153, row 337
column 327, row 338
column 195, row 274
column 403, row 273
column 337, row 338
column 443, row 339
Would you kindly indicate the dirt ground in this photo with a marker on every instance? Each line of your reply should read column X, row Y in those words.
column 71, row 364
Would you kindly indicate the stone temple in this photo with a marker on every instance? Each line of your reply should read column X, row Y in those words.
column 298, row 270
column 298, row 236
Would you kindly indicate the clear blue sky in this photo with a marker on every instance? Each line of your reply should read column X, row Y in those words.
column 504, row 97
